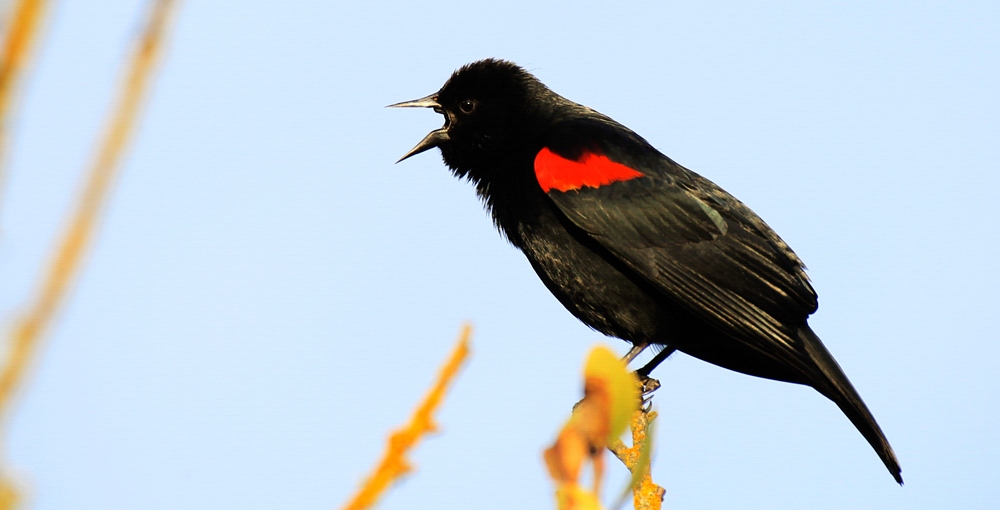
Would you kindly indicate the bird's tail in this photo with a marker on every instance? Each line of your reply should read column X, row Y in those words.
column 840, row 390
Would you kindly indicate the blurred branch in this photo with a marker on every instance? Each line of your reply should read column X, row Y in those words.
column 394, row 463
column 19, row 37
column 66, row 261
column 67, row 257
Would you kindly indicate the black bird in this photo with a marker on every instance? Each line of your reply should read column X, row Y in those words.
column 630, row 242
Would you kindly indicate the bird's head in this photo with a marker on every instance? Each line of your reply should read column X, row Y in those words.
column 490, row 108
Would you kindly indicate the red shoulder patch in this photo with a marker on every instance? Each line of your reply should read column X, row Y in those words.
column 591, row 169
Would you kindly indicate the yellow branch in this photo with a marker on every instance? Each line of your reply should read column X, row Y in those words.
column 646, row 495
column 394, row 463
column 22, row 29
column 66, row 260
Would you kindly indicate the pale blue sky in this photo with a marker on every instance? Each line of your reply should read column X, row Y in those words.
column 269, row 294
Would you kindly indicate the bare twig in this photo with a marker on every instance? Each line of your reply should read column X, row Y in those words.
column 66, row 261
column 646, row 495
column 21, row 32
column 394, row 463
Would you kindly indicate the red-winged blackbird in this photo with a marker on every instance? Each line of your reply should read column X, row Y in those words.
column 633, row 244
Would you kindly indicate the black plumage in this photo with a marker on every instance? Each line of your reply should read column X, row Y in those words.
column 630, row 242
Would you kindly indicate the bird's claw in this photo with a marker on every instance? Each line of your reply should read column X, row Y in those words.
column 647, row 386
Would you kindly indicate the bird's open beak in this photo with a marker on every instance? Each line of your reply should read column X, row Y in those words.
column 434, row 138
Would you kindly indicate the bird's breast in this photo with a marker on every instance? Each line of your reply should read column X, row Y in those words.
column 591, row 283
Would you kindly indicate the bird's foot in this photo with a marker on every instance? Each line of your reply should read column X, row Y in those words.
column 647, row 385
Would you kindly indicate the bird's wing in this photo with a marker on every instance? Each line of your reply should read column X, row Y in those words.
column 693, row 241
column 700, row 247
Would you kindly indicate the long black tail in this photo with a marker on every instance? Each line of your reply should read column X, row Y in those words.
column 837, row 388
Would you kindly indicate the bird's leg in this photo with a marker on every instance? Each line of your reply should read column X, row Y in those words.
column 644, row 372
column 633, row 352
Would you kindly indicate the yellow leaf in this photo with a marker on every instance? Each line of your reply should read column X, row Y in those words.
column 574, row 497
column 606, row 373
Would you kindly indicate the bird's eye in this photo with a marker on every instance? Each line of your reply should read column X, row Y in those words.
column 468, row 106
